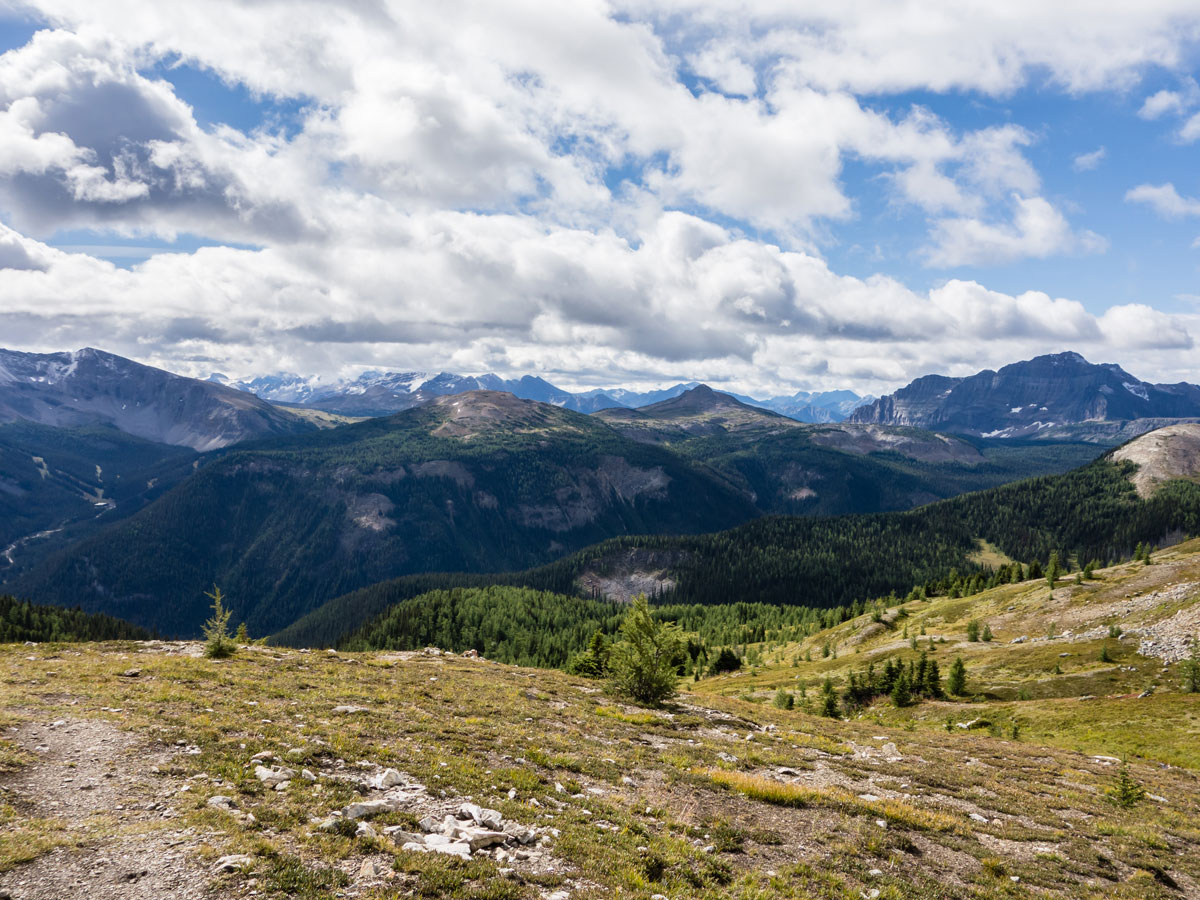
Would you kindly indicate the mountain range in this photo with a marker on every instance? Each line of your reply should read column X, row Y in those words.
column 108, row 501
column 1055, row 395
column 384, row 393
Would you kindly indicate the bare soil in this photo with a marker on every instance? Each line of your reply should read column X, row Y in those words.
column 99, row 782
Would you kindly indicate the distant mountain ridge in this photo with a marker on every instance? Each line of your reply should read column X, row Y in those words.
column 377, row 393
column 90, row 387
column 1045, row 396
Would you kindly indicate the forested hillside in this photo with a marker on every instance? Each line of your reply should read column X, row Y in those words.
column 479, row 482
column 23, row 621
column 72, row 480
column 1092, row 513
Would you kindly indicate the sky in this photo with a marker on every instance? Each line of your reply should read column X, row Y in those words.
column 766, row 196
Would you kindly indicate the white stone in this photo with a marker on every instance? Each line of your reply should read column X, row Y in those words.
column 237, row 862
column 386, row 779
column 368, row 808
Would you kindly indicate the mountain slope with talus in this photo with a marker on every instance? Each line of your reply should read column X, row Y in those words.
column 91, row 387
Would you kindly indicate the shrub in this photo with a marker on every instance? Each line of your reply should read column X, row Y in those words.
column 784, row 700
column 726, row 661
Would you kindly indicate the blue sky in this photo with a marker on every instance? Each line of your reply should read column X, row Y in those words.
column 767, row 198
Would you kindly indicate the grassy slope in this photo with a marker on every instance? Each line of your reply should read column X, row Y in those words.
column 1017, row 681
column 690, row 802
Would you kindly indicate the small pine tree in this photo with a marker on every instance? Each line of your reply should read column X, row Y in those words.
column 1035, row 570
column 643, row 666
column 1126, row 793
column 1191, row 670
column 1105, row 656
column 241, row 636
column 956, row 682
column 987, row 633
column 902, row 692
column 973, row 630
column 784, row 700
column 1053, row 570
column 217, row 642
column 829, row 700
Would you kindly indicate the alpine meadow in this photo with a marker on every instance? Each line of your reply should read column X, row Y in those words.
column 567, row 451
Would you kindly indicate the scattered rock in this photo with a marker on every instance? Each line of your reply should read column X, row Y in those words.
column 386, row 779
column 272, row 777
column 220, row 802
column 237, row 862
column 131, row 673
column 349, row 710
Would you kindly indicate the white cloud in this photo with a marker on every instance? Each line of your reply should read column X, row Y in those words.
column 1085, row 162
column 689, row 300
column 720, row 64
column 1164, row 200
column 445, row 200
column 1162, row 103
column 1190, row 130
column 1037, row 230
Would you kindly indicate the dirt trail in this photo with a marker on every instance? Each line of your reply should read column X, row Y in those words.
column 98, row 781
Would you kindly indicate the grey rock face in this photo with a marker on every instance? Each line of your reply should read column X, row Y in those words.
column 89, row 387
column 1030, row 398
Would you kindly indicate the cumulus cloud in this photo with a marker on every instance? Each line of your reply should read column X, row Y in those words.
column 690, row 299
column 1085, row 162
column 1164, row 200
column 1162, row 103
column 1037, row 230
column 635, row 189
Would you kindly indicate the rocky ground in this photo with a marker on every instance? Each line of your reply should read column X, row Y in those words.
column 102, row 787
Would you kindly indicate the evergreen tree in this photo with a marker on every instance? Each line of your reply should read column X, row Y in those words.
column 973, row 630
column 784, row 700
column 1053, row 570
column 1126, row 793
column 987, row 633
column 644, row 664
column 592, row 662
column 217, row 642
column 902, row 692
column 829, row 700
column 933, row 681
column 956, row 683
column 1191, row 669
